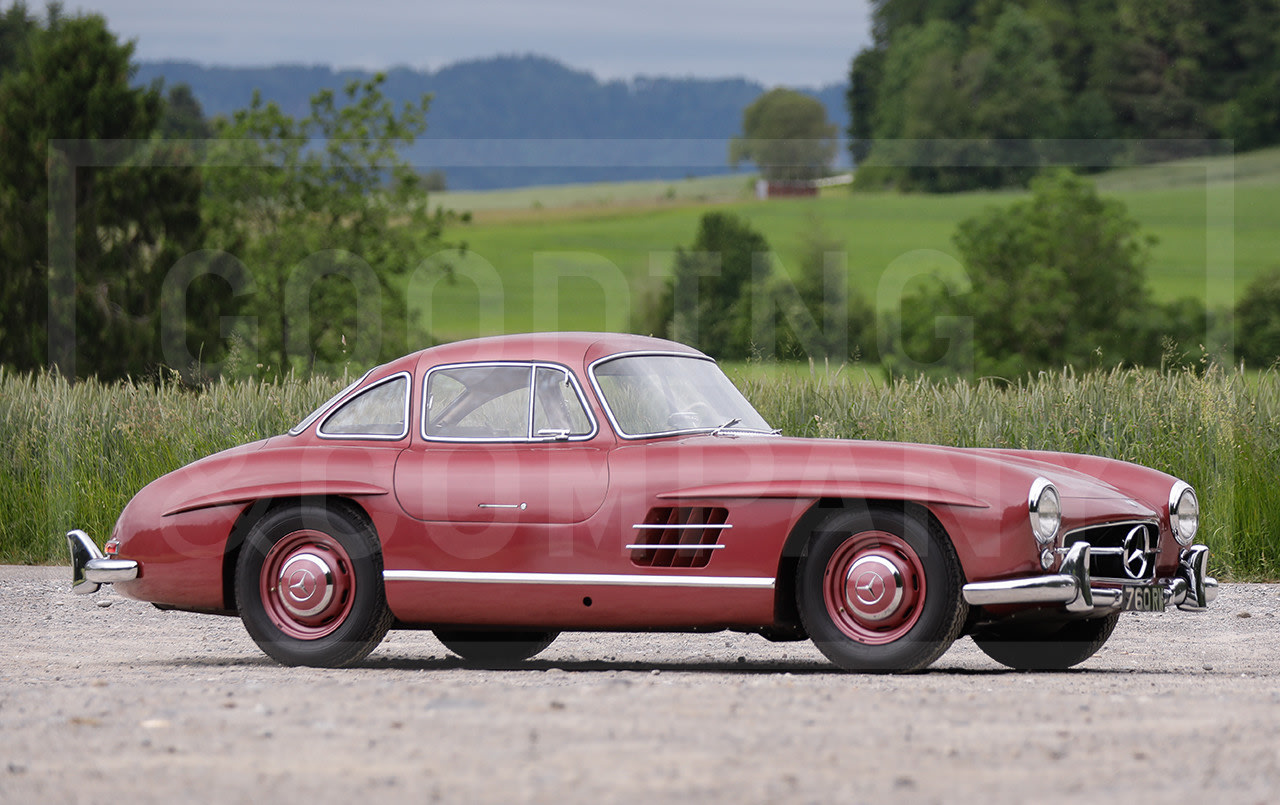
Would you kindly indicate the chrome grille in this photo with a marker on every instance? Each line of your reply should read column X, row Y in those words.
column 1122, row 552
column 678, row 536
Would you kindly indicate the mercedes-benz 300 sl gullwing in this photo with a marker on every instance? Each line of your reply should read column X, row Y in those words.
column 502, row 490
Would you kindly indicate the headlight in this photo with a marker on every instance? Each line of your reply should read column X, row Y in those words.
column 1184, row 512
column 1046, row 511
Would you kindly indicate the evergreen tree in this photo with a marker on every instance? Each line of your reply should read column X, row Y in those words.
column 68, row 82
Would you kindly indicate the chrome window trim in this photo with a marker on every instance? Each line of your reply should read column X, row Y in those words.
column 613, row 422
column 382, row 437
column 530, row 437
column 328, row 405
column 591, row 579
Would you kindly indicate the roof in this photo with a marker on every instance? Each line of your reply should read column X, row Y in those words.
column 569, row 349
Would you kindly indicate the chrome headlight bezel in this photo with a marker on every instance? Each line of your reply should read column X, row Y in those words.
column 1044, row 506
column 1184, row 512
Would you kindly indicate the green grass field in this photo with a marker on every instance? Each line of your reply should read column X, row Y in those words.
column 586, row 256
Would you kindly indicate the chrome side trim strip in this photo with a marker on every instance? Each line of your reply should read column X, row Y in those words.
column 678, row 526
column 692, row 547
column 597, row 579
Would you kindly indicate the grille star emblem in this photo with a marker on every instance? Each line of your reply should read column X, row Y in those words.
column 1136, row 550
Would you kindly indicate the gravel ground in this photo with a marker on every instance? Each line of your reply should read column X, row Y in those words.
column 103, row 699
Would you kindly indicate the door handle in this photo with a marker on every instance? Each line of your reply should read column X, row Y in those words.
column 520, row 506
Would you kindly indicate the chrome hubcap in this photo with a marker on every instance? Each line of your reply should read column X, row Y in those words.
column 873, row 588
column 305, row 584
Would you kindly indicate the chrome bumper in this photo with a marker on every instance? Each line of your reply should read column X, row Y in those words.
column 1190, row 590
column 90, row 569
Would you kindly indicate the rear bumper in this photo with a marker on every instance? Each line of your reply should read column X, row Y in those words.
column 1072, row 588
column 90, row 569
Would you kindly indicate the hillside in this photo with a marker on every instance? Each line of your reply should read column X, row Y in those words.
column 527, row 98
column 591, row 256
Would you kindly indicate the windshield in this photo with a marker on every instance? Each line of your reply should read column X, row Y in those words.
column 658, row 395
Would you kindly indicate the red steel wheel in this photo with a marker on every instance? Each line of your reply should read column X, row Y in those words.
column 309, row 585
column 873, row 587
column 879, row 589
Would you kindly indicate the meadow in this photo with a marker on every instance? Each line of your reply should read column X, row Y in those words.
column 586, row 257
column 75, row 454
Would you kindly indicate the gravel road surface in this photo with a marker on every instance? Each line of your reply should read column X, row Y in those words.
column 104, row 699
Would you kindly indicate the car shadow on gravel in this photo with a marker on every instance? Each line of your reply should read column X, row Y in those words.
column 708, row 666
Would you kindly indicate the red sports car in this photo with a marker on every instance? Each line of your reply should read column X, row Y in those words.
column 501, row 490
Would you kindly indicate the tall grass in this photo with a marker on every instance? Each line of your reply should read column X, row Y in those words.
column 1218, row 430
column 74, row 454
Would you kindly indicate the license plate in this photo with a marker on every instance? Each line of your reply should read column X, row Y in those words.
column 1142, row 599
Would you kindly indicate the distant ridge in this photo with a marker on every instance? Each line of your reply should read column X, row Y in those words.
column 523, row 97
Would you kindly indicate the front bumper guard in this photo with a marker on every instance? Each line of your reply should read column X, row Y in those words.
column 1071, row 587
column 90, row 569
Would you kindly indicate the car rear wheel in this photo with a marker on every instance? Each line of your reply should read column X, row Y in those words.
column 1047, row 647
column 494, row 648
column 879, row 590
column 309, row 586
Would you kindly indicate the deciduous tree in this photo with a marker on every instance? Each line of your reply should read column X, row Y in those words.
column 787, row 135
column 329, row 220
column 707, row 302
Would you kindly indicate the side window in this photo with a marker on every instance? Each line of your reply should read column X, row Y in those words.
column 557, row 410
column 378, row 412
column 478, row 402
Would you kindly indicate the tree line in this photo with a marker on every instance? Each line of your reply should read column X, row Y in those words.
column 136, row 234
column 1056, row 279
column 951, row 93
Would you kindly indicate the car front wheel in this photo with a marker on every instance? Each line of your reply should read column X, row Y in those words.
column 1044, row 647
column 309, row 586
column 879, row 590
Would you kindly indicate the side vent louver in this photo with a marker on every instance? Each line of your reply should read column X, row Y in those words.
column 678, row 537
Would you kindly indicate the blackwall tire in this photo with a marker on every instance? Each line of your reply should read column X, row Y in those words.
column 1041, row 648
column 309, row 586
column 879, row 590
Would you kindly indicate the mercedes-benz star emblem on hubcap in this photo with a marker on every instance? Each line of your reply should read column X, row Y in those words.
column 1136, row 549
column 302, row 584
column 870, row 587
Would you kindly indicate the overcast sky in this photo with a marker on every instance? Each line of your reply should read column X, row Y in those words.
column 791, row 42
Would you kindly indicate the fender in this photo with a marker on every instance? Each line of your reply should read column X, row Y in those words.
column 292, row 489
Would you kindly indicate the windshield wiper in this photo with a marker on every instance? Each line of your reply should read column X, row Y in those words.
column 725, row 426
